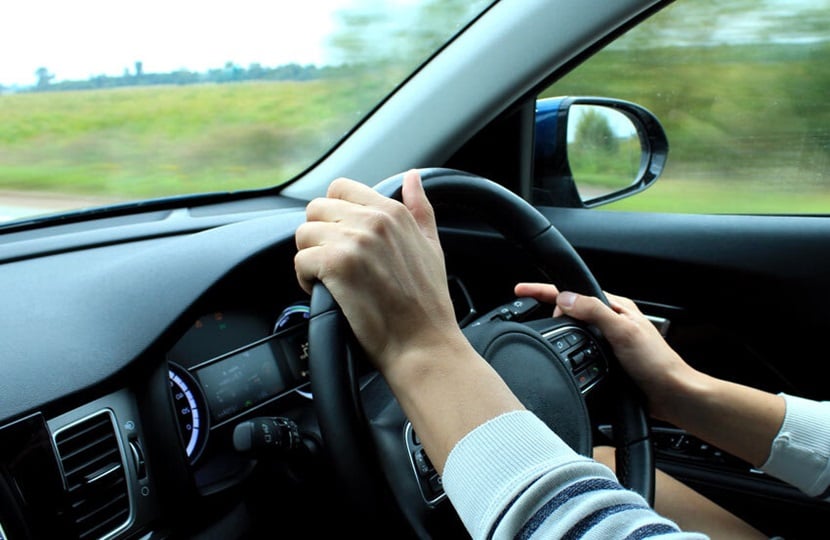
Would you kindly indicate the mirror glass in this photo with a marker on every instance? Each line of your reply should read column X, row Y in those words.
column 604, row 150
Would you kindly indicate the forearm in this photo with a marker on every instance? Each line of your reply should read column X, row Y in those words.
column 738, row 419
column 447, row 390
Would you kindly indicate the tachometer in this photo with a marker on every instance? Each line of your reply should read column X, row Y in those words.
column 297, row 313
column 190, row 414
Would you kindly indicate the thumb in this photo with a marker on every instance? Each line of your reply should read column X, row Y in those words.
column 589, row 309
column 415, row 200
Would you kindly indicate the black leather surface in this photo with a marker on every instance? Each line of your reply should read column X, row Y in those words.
column 527, row 363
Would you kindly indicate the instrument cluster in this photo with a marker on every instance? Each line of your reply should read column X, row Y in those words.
column 231, row 363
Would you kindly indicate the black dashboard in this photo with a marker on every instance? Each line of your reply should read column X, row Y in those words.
column 129, row 365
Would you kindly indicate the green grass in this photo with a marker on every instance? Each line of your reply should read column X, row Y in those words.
column 722, row 197
column 145, row 142
column 156, row 141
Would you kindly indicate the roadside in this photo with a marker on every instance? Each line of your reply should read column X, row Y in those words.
column 23, row 204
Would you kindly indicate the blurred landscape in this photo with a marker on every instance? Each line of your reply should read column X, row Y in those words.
column 148, row 141
column 748, row 125
column 748, row 122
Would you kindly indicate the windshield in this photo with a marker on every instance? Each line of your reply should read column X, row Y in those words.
column 110, row 102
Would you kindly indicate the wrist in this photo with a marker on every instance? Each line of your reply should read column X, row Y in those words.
column 424, row 358
column 677, row 394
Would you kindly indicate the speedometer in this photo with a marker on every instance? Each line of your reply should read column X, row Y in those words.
column 190, row 414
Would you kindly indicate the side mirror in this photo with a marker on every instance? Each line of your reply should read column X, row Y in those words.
column 590, row 151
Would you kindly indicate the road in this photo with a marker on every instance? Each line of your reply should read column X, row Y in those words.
column 22, row 204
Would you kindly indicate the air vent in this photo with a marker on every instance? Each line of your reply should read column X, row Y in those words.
column 98, row 502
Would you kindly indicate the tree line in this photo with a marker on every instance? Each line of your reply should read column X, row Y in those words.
column 229, row 73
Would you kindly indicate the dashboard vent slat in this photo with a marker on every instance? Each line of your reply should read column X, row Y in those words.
column 98, row 499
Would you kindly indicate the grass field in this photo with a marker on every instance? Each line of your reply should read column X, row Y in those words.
column 145, row 142
column 722, row 197
column 153, row 141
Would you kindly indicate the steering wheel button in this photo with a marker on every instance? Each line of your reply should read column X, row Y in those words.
column 436, row 484
column 561, row 345
column 591, row 352
column 573, row 338
column 523, row 306
column 578, row 359
column 422, row 463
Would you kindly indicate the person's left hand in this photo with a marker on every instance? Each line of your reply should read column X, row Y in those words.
column 644, row 354
column 382, row 262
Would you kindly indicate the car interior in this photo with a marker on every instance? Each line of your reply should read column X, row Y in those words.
column 161, row 374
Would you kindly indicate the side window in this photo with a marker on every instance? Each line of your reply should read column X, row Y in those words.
column 741, row 89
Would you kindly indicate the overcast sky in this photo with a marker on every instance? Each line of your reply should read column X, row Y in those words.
column 76, row 39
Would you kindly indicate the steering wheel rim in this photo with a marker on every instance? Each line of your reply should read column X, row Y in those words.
column 348, row 432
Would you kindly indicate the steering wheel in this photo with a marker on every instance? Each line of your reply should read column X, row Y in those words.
column 551, row 365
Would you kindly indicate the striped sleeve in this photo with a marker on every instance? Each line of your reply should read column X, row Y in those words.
column 512, row 477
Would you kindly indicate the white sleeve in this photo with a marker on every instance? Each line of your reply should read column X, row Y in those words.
column 800, row 453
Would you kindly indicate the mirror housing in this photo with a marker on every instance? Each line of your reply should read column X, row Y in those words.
column 590, row 151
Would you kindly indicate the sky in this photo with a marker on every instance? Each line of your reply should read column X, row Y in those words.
column 76, row 39
column 79, row 39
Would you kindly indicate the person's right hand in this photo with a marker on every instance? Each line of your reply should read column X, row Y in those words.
column 642, row 351
column 381, row 259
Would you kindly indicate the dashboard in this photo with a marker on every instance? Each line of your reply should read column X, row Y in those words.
column 229, row 365
column 132, row 369
column 233, row 365
column 120, row 407
column 127, row 365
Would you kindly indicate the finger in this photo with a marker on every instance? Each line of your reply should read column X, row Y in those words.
column 416, row 201
column 332, row 210
column 307, row 266
column 355, row 192
column 587, row 308
column 316, row 233
column 543, row 292
column 621, row 303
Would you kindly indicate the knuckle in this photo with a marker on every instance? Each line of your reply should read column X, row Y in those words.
column 593, row 306
column 301, row 236
column 337, row 186
column 378, row 223
column 314, row 207
column 343, row 257
column 397, row 210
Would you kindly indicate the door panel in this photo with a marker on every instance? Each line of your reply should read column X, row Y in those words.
column 745, row 298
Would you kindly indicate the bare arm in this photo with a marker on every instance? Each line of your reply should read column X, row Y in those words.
column 739, row 419
column 382, row 261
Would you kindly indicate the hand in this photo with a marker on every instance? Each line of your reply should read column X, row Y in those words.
column 642, row 351
column 382, row 262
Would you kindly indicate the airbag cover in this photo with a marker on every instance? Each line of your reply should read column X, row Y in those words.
column 532, row 370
